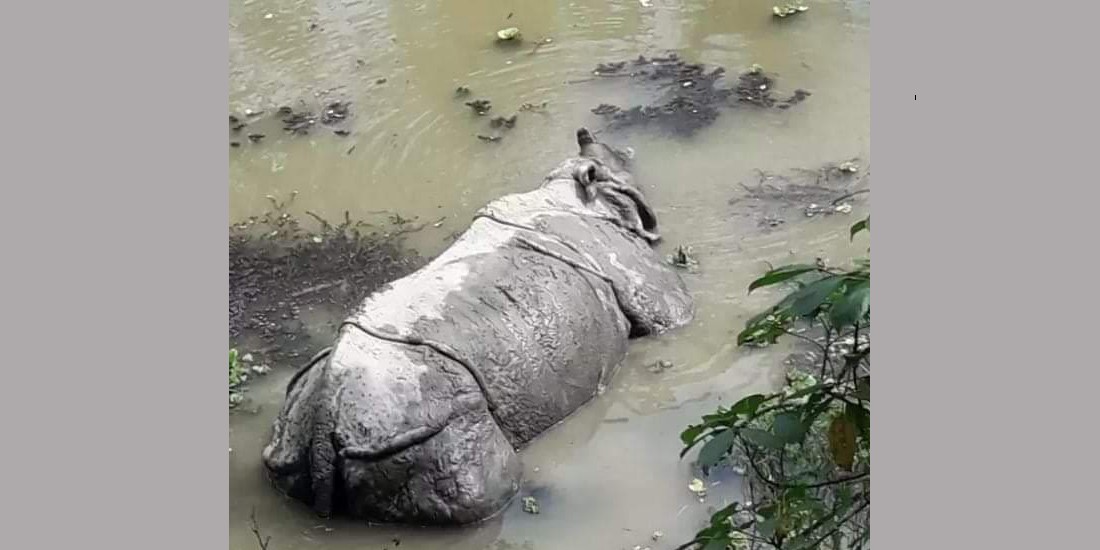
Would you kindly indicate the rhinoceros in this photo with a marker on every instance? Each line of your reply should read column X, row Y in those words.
column 417, row 413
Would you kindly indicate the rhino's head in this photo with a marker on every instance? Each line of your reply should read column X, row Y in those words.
column 389, row 432
column 613, row 165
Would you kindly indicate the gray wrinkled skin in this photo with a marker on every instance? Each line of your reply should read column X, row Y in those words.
column 416, row 414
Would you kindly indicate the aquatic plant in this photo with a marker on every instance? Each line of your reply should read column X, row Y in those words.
column 235, row 368
column 806, row 449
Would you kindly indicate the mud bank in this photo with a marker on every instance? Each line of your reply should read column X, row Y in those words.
column 291, row 283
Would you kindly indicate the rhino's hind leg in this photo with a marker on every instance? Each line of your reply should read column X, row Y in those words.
column 390, row 432
column 464, row 473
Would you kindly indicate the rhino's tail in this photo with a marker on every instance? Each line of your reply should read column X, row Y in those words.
column 303, row 456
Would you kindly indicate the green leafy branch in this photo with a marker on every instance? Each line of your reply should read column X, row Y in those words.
column 805, row 449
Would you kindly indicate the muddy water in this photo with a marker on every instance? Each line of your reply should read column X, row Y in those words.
column 610, row 476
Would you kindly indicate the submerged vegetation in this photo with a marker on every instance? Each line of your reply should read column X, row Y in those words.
column 805, row 449
column 235, row 369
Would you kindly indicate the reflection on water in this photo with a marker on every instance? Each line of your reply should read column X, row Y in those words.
column 609, row 476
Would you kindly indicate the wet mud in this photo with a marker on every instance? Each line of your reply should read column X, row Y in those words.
column 292, row 283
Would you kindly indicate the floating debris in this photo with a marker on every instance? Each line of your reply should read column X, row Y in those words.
column 341, row 133
column 533, row 107
column 511, row 33
column 849, row 167
column 247, row 358
column 261, row 369
column 699, row 488
column 544, row 42
column 788, row 10
column 234, row 144
column 660, row 366
column 657, row 535
column 683, row 258
column 297, row 123
column 480, row 106
column 530, row 505
column 609, row 68
column 255, row 138
column 814, row 209
column 490, row 139
column 235, row 124
column 691, row 95
column 335, row 112
column 462, row 91
column 506, row 122
column 605, row 109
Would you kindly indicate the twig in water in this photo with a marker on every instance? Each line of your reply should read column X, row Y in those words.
column 325, row 226
column 256, row 531
column 541, row 43
column 849, row 195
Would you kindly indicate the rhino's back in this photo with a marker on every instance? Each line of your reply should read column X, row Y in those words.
column 540, row 331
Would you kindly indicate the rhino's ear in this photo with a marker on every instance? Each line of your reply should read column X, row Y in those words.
column 648, row 217
column 586, row 173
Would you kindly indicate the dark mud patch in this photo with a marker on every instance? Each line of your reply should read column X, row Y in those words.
column 290, row 287
column 774, row 200
column 689, row 96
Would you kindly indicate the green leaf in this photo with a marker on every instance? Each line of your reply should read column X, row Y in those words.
column 843, row 498
column 805, row 391
column 814, row 406
column 767, row 527
column 860, row 418
column 809, row 299
column 864, row 224
column 863, row 388
column 788, row 427
column 689, row 435
column 805, row 540
column 761, row 438
column 716, row 448
column 853, row 306
column 748, row 405
column 767, row 333
column 719, row 543
column 722, row 515
column 781, row 274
